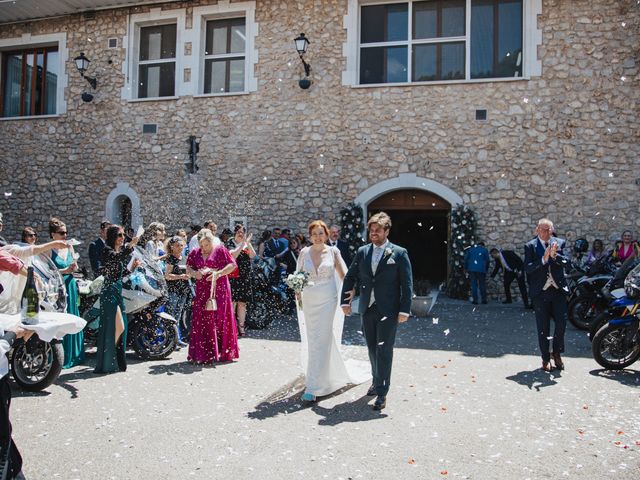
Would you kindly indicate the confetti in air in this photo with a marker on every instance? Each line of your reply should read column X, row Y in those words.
column 8, row 194
column 435, row 321
column 446, row 332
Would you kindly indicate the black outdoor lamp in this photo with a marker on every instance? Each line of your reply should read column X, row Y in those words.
column 82, row 63
column 302, row 43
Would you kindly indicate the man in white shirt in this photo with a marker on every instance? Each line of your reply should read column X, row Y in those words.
column 211, row 225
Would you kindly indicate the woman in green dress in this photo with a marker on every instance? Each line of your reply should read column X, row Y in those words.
column 112, row 336
column 65, row 260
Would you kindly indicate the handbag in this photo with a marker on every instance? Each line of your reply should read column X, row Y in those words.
column 211, row 302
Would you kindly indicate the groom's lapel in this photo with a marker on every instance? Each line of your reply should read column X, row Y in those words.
column 368, row 258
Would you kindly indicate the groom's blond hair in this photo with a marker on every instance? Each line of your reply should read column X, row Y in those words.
column 381, row 219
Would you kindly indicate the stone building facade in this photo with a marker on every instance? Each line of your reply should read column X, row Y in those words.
column 560, row 139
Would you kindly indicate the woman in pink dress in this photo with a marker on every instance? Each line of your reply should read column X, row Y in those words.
column 214, row 336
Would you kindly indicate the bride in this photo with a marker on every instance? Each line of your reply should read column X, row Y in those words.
column 321, row 319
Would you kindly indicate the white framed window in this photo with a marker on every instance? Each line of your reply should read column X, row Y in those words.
column 33, row 76
column 154, row 52
column 427, row 41
column 224, row 50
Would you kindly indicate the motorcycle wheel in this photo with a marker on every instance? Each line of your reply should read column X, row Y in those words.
column 609, row 349
column 156, row 339
column 581, row 313
column 36, row 364
column 601, row 319
column 259, row 316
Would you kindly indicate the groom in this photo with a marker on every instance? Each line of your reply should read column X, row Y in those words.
column 382, row 273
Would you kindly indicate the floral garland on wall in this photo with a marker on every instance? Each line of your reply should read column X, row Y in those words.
column 463, row 236
column 352, row 226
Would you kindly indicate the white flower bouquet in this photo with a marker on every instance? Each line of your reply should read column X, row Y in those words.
column 297, row 281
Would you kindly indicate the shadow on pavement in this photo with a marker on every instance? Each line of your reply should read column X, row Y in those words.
column 625, row 377
column 173, row 368
column 535, row 379
column 348, row 412
column 489, row 331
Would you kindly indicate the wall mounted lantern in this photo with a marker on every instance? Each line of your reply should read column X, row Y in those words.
column 302, row 43
column 82, row 63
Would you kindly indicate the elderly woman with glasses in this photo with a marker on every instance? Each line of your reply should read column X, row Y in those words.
column 214, row 335
column 66, row 261
column 112, row 336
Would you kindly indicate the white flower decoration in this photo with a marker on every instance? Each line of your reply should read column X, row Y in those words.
column 387, row 251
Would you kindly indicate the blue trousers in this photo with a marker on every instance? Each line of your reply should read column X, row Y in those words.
column 478, row 282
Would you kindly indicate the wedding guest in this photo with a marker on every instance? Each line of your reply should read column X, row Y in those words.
column 276, row 246
column 290, row 260
column 544, row 263
column 627, row 247
column 214, row 336
column 179, row 291
column 302, row 241
column 129, row 234
column 112, row 335
column 96, row 249
column 342, row 246
column 241, row 249
column 476, row 264
column 597, row 251
column 11, row 465
column 213, row 228
column 155, row 246
column 226, row 235
column 29, row 236
column 262, row 243
column 66, row 262
column 513, row 268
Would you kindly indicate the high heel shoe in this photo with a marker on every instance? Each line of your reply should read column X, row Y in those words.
column 307, row 397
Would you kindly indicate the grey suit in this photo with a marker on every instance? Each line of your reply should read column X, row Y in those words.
column 392, row 287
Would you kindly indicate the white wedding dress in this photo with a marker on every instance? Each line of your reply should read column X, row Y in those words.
column 321, row 321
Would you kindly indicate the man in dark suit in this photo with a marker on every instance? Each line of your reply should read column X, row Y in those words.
column 336, row 241
column 511, row 264
column 544, row 263
column 96, row 248
column 276, row 246
column 382, row 273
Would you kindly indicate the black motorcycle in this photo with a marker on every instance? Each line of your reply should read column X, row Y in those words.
column 586, row 301
column 617, row 344
column 270, row 297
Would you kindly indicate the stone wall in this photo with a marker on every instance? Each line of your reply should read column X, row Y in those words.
column 563, row 145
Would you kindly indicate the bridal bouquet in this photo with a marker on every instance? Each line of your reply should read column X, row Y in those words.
column 297, row 282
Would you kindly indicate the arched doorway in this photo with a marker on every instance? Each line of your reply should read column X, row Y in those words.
column 123, row 206
column 420, row 209
column 421, row 225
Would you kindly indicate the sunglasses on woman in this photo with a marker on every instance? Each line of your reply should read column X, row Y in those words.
column 121, row 234
column 63, row 232
column 32, row 235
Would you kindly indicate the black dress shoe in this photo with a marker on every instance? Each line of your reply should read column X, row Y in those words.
column 380, row 402
column 372, row 391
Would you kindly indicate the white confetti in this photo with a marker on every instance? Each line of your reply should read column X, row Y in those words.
column 383, row 319
column 8, row 194
column 419, row 224
column 446, row 332
column 380, row 343
column 435, row 321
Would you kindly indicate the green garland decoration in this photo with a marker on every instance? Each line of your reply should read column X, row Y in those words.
column 352, row 226
column 463, row 236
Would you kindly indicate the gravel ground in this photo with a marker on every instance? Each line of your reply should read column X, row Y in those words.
column 467, row 400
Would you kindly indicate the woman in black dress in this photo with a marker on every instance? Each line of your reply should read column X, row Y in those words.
column 241, row 249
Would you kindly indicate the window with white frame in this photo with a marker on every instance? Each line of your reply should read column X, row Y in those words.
column 224, row 56
column 156, row 67
column 440, row 40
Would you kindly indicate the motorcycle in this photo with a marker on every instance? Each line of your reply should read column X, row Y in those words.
column 614, row 292
column 36, row 364
column 270, row 296
column 586, row 300
column 617, row 344
column 152, row 333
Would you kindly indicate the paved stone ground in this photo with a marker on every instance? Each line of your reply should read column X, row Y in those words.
column 467, row 401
